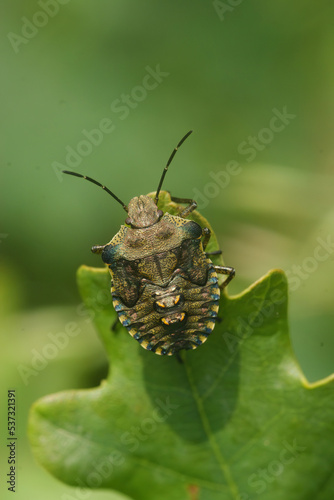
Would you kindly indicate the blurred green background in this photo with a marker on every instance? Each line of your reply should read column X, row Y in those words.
column 223, row 69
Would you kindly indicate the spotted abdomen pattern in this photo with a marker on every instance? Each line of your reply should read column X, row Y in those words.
column 178, row 315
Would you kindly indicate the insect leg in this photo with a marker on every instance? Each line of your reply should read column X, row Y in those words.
column 190, row 208
column 97, row 248
column 206, row 237
column 230, row 271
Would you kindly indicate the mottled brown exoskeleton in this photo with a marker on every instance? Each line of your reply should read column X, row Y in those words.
column 164, row 286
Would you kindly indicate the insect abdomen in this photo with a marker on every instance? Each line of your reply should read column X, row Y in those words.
column 166, row 319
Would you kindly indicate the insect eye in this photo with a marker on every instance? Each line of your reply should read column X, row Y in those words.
column 160, row 213
column 128, row 221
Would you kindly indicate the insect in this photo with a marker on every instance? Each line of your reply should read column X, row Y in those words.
column 164, row 286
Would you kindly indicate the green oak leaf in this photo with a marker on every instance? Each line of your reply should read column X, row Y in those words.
column 236, row 419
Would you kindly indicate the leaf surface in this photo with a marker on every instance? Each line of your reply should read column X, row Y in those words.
column 235, row 419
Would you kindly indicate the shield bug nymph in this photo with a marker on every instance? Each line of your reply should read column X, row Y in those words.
column 164, row 286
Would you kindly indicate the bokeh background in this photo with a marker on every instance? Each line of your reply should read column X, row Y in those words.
column 223, row 69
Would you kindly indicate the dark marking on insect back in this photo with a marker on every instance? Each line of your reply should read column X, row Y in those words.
column 157, row 263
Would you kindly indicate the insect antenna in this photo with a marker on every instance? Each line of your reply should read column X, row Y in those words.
column 168, row 163
column 98, row 184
